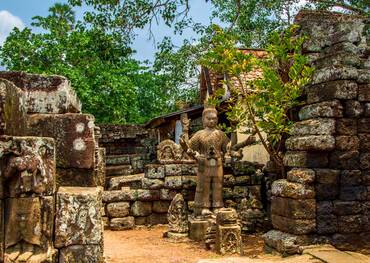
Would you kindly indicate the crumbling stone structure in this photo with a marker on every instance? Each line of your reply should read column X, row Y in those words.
column 46, row 142
column 325, row 197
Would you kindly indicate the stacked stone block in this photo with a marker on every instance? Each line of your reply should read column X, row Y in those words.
column 325, row 196
column 144, row 199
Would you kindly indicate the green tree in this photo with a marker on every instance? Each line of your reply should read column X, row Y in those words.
column 111, row 85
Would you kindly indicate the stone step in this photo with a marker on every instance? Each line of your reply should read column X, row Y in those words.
column 133, row 181
column 113, row 170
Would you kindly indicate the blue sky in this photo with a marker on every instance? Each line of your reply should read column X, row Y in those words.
column 19, row 13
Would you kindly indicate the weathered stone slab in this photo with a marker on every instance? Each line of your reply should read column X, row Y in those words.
column 173, row 182
column 81, row 254
column 353, row 109
column 100, row 167
column 353, row 193
column 347, row 143
column 294, row 226
column 283, row 242
column 152, row 183
column 283, row 188
column 305, row 159
column 327, row 176
column 351, row 177
column 364, row 92
column 124, row 194
column 132, row 181
column 295, row 209
column 12, row 109
column 346, row 126
column 318, row 126
column 154, row 171
column 139, row 208
column 27, row 166
column 331, row 73
column 365, row 161
column 45, row 94
column 349, row 160
column 119, row 170
column 311, row 143
column 78, row 219
column 326, row 29
column 118, row 209
column 117, row 159
column 124, row 223
column 326, row 109
column 301, row 175
column 78, row 177
column 326, row 224
column 189, row 182
column 172, row 169
column 339, row 89
column 347, row 207
column 73, row 135
column 365, row 142
column 167, row 194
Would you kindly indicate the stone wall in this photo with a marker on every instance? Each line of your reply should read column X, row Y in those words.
column 326, row 196
column 55, row 145
column 144, row 199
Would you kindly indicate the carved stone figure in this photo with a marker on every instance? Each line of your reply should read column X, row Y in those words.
column 177, row 217
column 228, row 232
column 169, row 152
column 208, row 147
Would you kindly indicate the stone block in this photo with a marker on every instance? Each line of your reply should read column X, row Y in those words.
column 125, row 223
column 141, row 220
column 283, row 188
column 367, row 109
column 100, row 167
column 364, row 125
column 353, row 109
column 352, row 241
column 228, row 239
column 294, row 226
column 365, row 161
column 364, row 92
column 349, row 160
column 118, row 195
column 243, row 180
column 293, row 208
column 366, row 177
column 326, row 191
column 146, row 195
column 326, row 109
column 301, row 175
column 152, row 183
column 365, row 142
column 351, row 223
column 27, row 166
column 73, row 135
column 324, row 208
column 353, row 193
column 189, row 181
column 117, row 159
column 189, row 169
column 132, row 181
column 229, row 180
column 283, row 242
column 347, row 143
column 197, row 229
column 160, row 206
column 118, row 209
column 227, row 192
column 342, row 208
column 45, row 94
column 350, row 177
column 78, row 219
column 240, row 192
column 326, row 224
column 311, row 143
column 338, row 89
column 81, row 254
column 172, row 169
column 139, row 208
column 154, row 171
column 346, row 126
column 173, row 182
column 167, row 194
column 319, row 126
column 331, row 73
column 157, row 219
column 305, row 159
column 120, row 170
column 327, row 176
column 13, row 111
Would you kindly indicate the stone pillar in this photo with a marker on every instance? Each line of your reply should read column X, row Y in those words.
column 325, row 197
column 78, row 225
column 228, row 232
column 27, row 199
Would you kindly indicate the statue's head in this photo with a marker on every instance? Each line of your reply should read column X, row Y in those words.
column 209, row 117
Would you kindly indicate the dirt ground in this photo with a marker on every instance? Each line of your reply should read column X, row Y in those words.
column 148, row 245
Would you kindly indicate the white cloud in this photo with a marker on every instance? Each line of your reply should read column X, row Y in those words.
column 7, row 22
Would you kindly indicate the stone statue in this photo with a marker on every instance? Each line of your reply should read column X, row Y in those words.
column 177, row 219
column 208, row 147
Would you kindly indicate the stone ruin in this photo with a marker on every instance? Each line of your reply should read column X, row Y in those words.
column 52, row 173
column 325, row 198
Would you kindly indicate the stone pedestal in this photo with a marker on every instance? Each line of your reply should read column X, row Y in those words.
column 228, row 232
column 197, row 229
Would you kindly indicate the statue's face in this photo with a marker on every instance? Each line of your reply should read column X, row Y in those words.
column 210, row 120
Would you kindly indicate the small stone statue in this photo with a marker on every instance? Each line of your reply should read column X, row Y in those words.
column 177, row 218
column 208, row 147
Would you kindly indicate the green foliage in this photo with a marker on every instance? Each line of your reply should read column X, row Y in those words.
column 111, row 85
column 262, row 104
